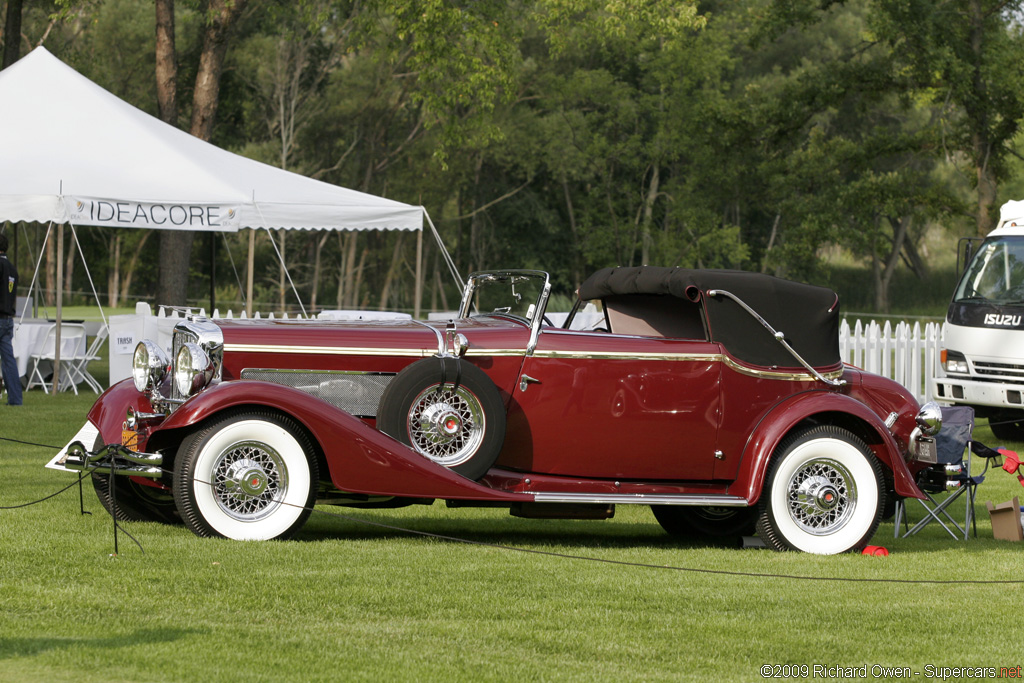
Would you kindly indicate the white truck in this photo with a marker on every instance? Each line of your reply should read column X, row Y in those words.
column 982, row 353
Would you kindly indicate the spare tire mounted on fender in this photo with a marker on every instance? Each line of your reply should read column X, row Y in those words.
column 448, row 410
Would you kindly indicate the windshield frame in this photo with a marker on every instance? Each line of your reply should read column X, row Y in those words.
column 510, row 277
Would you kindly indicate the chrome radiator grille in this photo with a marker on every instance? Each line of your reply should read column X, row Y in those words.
column 357, row 393
column 179, row 339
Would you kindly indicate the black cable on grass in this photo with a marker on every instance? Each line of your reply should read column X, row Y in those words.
column 549, row 553
column 81, row 495
column 644, row 565
column 36, row 502
column 29, row 443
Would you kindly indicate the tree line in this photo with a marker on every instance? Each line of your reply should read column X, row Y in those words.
column 564, row 135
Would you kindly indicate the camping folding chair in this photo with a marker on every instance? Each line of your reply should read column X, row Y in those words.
column 72, row 343
column 950, row 476
column 79, row 371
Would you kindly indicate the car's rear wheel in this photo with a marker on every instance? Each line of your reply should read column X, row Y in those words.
column 824, row 493
column 248, row 476
column 448, row 410
column 706, row 522
column 130, row 501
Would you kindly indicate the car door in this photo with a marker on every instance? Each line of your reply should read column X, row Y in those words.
column 601, row 405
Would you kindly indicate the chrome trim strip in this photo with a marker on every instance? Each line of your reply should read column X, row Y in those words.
column 360, row 351
column 327, row 350
column 778, row 336
column 642, row 499
column 776, row 374
column 619, row 355
column 314, row 372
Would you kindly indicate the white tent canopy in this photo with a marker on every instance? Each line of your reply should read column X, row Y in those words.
column 73, row 152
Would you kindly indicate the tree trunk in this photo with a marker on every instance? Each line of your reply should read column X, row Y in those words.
column 175, row 245
column 69, row 269
column 646, row 240
column 577, row 269
column 12, row 33
column 166, row 63
column 316, row 268
column 133, row 264
column 396, row 259
column 114, row 279
column 282, row 267
column 51, row 268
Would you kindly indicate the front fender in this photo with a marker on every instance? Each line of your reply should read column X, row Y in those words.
column 817, row 406
column 359, row 458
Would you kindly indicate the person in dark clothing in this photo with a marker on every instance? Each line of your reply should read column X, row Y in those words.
column 8, row 301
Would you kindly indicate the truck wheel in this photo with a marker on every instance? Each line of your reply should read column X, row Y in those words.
column 250, row 476
column 1008, row 426
column 824, row 493
column 448, row 410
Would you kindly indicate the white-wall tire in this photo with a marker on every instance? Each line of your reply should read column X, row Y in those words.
column 823, row 494
column 248, row 477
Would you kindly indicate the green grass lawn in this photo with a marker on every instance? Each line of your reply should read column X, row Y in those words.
column 351, row 601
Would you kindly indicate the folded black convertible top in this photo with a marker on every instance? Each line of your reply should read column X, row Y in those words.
column 808, row 315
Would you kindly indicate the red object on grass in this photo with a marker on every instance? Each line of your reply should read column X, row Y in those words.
column 1011, row 463
column 876, row 550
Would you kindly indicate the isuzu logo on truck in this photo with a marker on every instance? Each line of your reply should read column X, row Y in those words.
column 994, row 319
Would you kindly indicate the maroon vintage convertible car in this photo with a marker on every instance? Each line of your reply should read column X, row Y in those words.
column 718, row 398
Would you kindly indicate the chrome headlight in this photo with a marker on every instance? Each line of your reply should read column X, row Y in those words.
column 930, row 418
column 149, row 365
column 193, row 369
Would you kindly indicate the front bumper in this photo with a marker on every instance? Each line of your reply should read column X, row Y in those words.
column 111, row 458
column 966, row 391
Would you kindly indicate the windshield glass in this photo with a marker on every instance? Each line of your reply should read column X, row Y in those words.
column 996, row 273
column 518, row 293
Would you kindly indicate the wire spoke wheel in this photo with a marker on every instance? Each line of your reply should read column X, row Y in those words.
column 249, row 480
column 822, row 496
column 246, row 476
column 824, row 493
column 449, row 411
column 446, row 424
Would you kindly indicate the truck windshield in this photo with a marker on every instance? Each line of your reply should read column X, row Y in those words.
column 996, row 273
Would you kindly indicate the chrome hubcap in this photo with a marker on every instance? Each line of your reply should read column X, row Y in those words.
column 446, row 425
column 822, row 496
column 246, row 478
column 249, row 480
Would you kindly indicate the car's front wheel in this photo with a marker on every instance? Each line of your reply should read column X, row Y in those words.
column 127, row 500
column 824, row 493
column 248, row 476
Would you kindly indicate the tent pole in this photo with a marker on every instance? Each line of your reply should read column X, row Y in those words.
column 213, row 273
column 60, row 307
column 248, row 277
column 419, row 275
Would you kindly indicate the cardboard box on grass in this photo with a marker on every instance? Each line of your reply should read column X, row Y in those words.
column 1006, row 524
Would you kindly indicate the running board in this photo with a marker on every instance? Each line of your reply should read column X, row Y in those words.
column 642, row 499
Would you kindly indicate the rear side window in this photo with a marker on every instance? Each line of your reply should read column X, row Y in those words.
column 654, row 315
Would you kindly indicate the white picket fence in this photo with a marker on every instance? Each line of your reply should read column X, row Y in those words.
column 904, row 352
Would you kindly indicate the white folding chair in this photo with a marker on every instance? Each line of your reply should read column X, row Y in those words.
column 72, row 345
column 80, row 371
